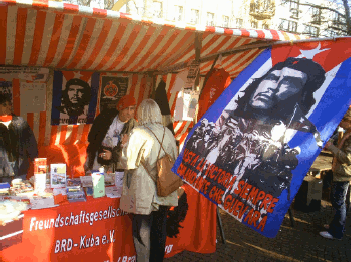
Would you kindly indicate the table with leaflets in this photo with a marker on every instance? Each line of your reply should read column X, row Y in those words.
column 98, row 230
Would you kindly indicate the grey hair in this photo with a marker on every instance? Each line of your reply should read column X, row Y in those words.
column 149, row 112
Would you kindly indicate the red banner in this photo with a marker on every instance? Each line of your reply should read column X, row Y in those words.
column 98, row 230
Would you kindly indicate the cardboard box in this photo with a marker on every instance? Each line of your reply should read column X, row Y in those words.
column 309, row 196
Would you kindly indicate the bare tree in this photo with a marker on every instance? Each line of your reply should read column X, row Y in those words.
column 108, row 4
column 347, row 16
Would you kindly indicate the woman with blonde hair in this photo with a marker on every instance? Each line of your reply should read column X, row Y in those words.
column 139, row 196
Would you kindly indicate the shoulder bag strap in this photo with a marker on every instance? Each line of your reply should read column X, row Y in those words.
column 143, row 163
column 164, row 131
column 147, row 170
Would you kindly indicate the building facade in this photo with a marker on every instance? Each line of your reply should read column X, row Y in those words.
column 315, row 18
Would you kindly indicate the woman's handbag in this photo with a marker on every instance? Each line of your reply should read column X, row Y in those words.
column 166, row 181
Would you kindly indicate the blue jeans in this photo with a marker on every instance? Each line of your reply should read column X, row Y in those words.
column 339, row 191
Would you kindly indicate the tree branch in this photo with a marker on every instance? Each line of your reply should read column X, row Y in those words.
column 347, row 14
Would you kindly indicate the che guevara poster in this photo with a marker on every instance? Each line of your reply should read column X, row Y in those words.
column 74, row 97
column 251, row 150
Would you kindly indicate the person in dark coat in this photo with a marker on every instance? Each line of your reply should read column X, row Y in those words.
column 17, row 143
column 109, row 133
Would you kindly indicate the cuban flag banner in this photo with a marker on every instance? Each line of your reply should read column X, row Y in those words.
column 251, row 150
column 74, row 97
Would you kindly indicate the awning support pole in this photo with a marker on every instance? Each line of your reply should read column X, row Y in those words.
column 243, row 48
column 198, row 46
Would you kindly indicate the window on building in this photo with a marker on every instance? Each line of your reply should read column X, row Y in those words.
column 225, row 21
column 252, row 7
column 266, row 4
column 294, row 9
column 315, row 15
column 294, row 4
column 338, row 20
column 140, row 10
column 253, row 24
column 290, row 3
column 157, row 8
column 178, row 13
column 311, row 30
column 330, row 33
column 239, row 22
column 287, row 25
column 336, row 17
column 210, row 19
column 194, row 18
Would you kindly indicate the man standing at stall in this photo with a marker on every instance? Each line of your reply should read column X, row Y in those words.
column 341, row 180
column 109, row 133
column 17, row 143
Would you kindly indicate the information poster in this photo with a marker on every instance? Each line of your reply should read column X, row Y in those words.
column 35, row 97
column 33, row 74
column 112, row 89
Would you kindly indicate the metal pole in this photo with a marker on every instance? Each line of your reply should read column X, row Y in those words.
column 260, row 45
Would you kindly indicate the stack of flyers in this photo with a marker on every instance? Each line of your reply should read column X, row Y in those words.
column 75, row 195
column 89, row 191
column 87, row 183
column 75, row 190
column 4, row 189
column 40, row 202
column 113, row 192
column 74, row 183
column 58, row 175
column 109, row 179
column 119, row 178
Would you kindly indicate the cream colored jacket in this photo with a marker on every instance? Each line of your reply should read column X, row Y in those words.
column 139, row 190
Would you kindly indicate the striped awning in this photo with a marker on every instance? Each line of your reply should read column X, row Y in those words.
column 71, row 37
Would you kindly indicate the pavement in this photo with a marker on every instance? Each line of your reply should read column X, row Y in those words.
column 301, row 242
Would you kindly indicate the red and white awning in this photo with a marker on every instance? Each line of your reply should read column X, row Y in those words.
column 66, row 36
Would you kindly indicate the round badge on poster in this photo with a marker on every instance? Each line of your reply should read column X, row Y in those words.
column 110, row 89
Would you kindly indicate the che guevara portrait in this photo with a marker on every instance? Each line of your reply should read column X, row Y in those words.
column 250, row 138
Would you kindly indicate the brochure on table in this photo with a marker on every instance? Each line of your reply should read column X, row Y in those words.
column 57, row 175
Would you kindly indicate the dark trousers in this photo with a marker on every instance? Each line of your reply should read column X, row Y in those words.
column 149, row 235
column 339, row 191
